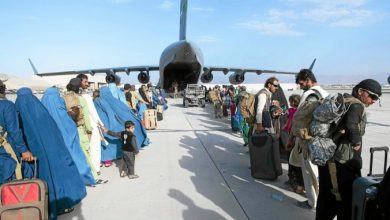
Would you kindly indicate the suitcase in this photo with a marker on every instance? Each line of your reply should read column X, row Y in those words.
column 160, row 112
column 365, row 191
column 150, row 119
column 24, row 199
column 264, row 156
column 384, row 195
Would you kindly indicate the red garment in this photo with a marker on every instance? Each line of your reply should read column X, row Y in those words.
column 232, row 109
column 291, row 112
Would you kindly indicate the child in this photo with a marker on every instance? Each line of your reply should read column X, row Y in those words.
column 294, row 102
column 129, row 147
column 294, row 173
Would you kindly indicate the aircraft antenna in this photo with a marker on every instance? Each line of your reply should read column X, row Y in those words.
column 183, row 19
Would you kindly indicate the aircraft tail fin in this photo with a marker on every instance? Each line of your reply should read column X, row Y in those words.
column 312, row 64
column 183, row 19
column 33, row 67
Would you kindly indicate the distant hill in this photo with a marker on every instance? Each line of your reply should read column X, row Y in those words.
column 15, row 82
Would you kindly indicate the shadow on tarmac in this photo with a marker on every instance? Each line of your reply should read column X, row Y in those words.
column 232, row 162
column 193, row 211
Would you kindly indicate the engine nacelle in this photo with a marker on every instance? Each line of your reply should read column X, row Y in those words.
column 113, row 78
column 206, row 77
column 143, row 77
column 236, row 78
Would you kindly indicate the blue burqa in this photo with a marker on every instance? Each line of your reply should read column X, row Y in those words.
column 123, row 113
column 55, row 165
column 56, row 107
column 9, row 123
column 117, row 92
column 159, row 98
column 112, row 150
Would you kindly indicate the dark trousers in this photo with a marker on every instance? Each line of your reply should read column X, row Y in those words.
column 128, row 162
column 294, row 173
column 327, row 206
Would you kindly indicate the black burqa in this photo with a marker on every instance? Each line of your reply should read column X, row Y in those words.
column 280, row 96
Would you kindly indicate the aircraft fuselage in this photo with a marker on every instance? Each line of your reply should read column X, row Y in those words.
column 181, row 61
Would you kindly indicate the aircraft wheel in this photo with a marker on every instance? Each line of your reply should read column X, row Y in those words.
column 186, row 103
column 202, row 103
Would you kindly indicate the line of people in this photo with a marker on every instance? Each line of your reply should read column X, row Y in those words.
column 328, row 190
column 73, row 133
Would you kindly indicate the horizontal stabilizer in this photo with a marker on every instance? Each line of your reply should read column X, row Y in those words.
column 312, row 64
column 33, row 67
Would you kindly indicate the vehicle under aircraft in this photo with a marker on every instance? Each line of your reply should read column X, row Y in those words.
column 181, row 61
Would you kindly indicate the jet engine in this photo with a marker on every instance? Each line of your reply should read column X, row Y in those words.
column 143, row 77
column 206, row 77
column 236, row 78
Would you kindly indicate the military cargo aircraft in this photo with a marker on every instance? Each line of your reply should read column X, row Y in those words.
column 181, row 61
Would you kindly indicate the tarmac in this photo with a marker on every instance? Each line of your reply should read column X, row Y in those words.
column 196, row 168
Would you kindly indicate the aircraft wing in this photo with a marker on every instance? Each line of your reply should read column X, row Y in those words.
column 226, row 70
column 112, row 70
column 92, row 72
column 238, row 74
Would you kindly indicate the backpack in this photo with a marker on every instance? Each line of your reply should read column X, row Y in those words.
column 247, row 103
column 213, row 96
column 322, row 130
column 302, row 119
column 73, row 107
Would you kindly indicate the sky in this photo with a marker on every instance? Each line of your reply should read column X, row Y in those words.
column 349, row 38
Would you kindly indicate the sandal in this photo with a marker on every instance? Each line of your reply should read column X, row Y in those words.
column 299, row 190
column 123, row 174
column 100, row 181
column 107, row 163
column 65, row 211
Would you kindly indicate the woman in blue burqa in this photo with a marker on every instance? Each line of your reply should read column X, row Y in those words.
column 113, row 83
column 12, row 146
column 55, row 164
column 112, row 148
column 55, row 105
column 123, row 113
column 159, row 97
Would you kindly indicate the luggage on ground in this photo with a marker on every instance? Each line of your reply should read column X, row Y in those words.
column 24, row 199
column 365, row 192
column 150, row 119
column 384, row 196
column 160, row 112
column 265, row 156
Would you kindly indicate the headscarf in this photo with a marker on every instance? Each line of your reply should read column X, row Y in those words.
column 117, row 92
